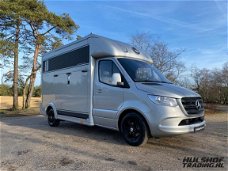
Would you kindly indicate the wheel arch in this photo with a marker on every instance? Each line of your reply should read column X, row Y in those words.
column 51, row 106
column 126, row 111
column 48, row 108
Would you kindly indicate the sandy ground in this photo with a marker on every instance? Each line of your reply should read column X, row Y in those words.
column 7, row 101
column 28, row 143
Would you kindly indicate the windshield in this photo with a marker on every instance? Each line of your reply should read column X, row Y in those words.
column 140, row 71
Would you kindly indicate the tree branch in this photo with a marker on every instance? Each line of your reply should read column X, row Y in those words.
column 33, row 30
column 48, row 30
column 38, row 68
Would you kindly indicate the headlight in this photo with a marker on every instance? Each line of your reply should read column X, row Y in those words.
column 166, row 101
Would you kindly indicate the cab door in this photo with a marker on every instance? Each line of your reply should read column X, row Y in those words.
column 108, row 97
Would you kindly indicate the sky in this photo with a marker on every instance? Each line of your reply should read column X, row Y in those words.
column 199, row 27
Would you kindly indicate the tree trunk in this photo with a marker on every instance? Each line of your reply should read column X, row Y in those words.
column 33, row 77
column 15, row 73
column 30, row 90
column 24, row 91
column 24, row 96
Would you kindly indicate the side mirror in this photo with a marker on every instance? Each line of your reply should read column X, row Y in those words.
column 120, row 84
column 116, row 79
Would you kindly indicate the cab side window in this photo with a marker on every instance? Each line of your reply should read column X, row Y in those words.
column 107, row 70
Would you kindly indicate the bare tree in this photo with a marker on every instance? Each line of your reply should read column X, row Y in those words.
column 225, row 75
column 186, row 82
column 212, row 85
column 164, row 59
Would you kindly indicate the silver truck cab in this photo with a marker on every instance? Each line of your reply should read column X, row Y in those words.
column 99, row 81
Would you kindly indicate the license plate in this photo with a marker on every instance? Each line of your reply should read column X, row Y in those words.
column 198, row 128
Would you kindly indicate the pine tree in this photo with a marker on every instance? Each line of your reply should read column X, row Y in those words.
column 32, row 26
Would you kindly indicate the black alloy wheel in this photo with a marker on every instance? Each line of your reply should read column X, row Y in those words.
column 52, row 121
column 134, row 129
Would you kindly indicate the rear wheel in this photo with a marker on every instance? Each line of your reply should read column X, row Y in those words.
column 134, row 129
column 52, row 121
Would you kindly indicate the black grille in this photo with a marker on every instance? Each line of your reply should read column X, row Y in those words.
column 190, row 105
column 191, row 121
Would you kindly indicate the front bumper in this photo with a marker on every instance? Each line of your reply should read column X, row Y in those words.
column 172, row 130
column 168, row 121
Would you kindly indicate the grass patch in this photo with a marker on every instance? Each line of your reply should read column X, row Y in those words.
column 15, row 113
column 6, row 103
column 216, row 109
column 212, row 112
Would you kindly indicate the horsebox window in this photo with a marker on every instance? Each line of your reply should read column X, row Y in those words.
column 69, row 59
column 45, row 66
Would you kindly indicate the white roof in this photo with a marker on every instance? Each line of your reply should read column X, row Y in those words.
column 100, row 47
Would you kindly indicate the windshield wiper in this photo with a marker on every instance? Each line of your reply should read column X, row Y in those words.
column 166, row 82
column 148, row 81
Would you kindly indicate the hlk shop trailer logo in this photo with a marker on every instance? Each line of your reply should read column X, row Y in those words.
column 203, row 162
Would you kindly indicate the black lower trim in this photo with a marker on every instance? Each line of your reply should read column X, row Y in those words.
column 191, row 121
column 73, row 114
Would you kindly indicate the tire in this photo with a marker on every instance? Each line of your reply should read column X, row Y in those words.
column 52, row 121
column 134, row 129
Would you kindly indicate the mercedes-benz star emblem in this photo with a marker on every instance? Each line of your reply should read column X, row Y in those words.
column 198, row 105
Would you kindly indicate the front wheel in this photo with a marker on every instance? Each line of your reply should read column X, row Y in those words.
column 52, row 121
column 134, row 129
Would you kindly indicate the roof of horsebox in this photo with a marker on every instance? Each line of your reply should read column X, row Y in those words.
column 100, row 47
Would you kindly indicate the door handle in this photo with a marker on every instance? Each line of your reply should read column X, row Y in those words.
column 68, row 78
column 84, row 70
column 99, row 90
